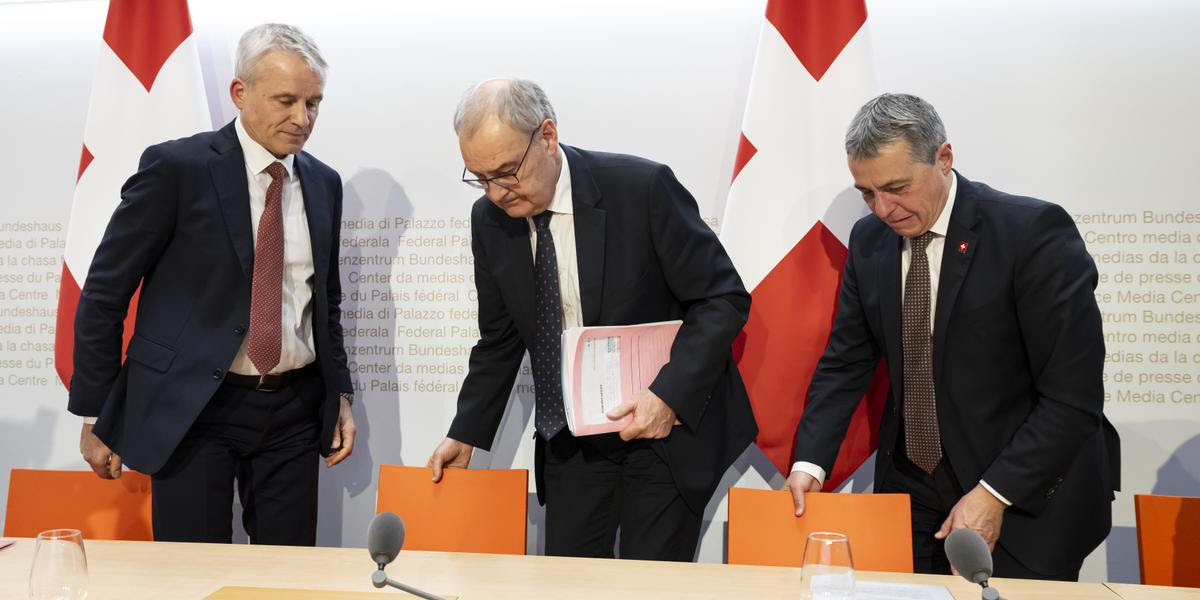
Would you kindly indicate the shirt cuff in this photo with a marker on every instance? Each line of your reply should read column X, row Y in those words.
column 89, row 420
column 992, row 491
column 806, row 467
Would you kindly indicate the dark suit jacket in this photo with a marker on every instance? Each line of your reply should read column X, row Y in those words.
column 1018, row 354
column 644, row 256
column 182, row 230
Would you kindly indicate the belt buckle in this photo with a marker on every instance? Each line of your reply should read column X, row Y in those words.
column 268, row 383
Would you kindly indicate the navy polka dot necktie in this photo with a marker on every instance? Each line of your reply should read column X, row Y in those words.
column 546, row 351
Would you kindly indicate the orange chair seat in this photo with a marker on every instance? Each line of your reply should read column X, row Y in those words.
column 470, row 510
column 1168, row 539
column 103, row 509
column 764, row 529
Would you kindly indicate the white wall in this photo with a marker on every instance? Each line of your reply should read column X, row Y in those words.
column 1088, row 104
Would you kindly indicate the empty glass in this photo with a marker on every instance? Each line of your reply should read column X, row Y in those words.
column 59, row 566
column 828, row 571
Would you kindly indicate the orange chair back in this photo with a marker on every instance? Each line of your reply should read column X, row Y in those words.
column 1168, row 538
column 469, row 510
column 103, row 509
column 764, row 528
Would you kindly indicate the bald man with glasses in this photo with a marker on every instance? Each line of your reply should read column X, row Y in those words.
column 565, row 237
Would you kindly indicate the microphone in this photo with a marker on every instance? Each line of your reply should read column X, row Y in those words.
column 969, row 555
column 385, row 537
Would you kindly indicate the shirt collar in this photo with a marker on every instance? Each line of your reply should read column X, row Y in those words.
column 942, row 225
column 257, row 157
column 561, row 203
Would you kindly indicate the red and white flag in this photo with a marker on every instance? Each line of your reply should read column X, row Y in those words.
column 148, row 89
column 789, row 214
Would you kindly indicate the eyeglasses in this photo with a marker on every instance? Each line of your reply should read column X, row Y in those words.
column 504, row 180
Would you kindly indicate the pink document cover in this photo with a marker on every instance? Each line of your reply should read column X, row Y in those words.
column 644, row 351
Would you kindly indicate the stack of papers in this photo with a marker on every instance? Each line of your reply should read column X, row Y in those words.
column 605, row 366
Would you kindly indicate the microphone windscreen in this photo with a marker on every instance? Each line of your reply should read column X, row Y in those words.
column 385, row 537
column 969, row 555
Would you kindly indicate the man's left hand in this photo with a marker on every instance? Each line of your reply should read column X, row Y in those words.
column 650, row 417
column 343, row 436
column 978, row 510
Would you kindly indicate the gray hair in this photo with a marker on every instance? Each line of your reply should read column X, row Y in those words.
column 519, row 103
column 891, row 117
column 274, row 36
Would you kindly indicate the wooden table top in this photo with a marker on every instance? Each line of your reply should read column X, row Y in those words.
column 133, row 570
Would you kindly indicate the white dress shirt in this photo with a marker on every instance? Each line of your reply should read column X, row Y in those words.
column 562, row 229
column 297, row 347
column 933, row 253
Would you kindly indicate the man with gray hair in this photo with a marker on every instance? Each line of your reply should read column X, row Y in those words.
column 235, row 371
column 982, row 305
column 565, row 237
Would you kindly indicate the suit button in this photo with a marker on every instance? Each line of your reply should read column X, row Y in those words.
column 889, row 452
column 239, row 330
column 218, row 374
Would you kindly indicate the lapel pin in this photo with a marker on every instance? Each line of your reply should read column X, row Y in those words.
column 962, row 247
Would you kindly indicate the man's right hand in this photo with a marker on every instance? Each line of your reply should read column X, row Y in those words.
column 449, row 453
column 105, row 462
column 800, row 482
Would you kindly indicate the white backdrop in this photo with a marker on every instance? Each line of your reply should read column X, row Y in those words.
column 1089, row 104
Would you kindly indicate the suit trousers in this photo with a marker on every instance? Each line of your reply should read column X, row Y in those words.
column 596, row 485
column 266, row 443
column 932, row 497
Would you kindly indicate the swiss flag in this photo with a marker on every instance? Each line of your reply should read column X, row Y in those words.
column 789, row 214
column 147, row 89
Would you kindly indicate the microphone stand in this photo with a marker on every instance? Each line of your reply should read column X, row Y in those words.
column 989, row 593
column 379, row 579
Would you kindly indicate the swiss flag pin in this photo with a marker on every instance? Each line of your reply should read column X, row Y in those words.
column 962, row 247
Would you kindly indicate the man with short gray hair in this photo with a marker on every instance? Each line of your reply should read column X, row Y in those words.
column 235, row 371
column 566, row 237
column 982, row 305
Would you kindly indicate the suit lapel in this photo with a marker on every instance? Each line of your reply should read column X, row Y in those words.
column 228, row 172
column 316, row 210
column 888, row 272
column 589, row 234
column 961, row 245
column 509, row 239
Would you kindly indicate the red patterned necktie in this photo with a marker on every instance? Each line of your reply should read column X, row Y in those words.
column 922, row 440
column 266, row 290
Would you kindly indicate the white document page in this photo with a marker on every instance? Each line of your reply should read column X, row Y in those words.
column 886, row 590
column 601, row 377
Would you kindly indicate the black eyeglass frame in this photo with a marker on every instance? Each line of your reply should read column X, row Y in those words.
column 483, row 182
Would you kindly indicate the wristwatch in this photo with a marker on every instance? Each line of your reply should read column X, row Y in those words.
column 348, row 397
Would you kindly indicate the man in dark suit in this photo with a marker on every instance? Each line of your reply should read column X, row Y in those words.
column 982, row 305
column 236, row 370
column 569, row 237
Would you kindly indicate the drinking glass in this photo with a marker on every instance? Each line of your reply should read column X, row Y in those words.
column 59, row 566
column 828, row 570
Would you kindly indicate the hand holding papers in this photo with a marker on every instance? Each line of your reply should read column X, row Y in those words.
column 604, row 367
column 649, row 416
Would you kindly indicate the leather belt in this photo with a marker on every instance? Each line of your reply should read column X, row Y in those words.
column 271, row 382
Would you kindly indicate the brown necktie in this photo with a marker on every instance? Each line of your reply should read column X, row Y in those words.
column 921, row 439
column 266, row 289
